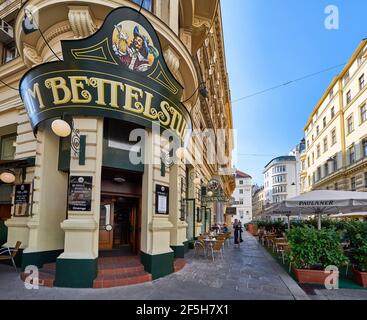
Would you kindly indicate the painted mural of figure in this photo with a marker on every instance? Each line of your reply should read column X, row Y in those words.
column 138, row 55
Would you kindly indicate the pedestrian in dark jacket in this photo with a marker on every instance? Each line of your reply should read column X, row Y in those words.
column 237, row 229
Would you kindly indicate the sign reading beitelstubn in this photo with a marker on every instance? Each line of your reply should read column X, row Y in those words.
column 118, row 72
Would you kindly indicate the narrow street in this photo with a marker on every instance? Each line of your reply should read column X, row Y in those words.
column 245, row 273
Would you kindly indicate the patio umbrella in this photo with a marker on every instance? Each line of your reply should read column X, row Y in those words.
column 321, row 202
column 280, row 209
column 349, row 215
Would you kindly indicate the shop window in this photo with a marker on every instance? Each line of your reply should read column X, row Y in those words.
column 7, row 147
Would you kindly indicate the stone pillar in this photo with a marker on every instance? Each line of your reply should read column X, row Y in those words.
column 77, row 266
column 156, row 254
column 178, row 232
column 26, row 146
column 174, row 9
column 46, row 238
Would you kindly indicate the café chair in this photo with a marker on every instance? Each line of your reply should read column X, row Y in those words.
column 9, row 254
column 217, row 247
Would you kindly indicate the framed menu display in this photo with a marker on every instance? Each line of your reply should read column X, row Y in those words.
column 21, row 200
column 80, row 193
column 161, row 199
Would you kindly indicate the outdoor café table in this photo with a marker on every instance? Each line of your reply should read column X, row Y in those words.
column 209, row 243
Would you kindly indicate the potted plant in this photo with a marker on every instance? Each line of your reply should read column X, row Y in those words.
column 357, row 235
column 312, row 251
column 252, row 228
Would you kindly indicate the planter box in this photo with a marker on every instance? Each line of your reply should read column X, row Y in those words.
column 311, row 276
column 252, row 228
column 360, row 277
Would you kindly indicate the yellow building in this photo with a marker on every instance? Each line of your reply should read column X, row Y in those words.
column 77, row 196
column 336, row 132
column 258, row 203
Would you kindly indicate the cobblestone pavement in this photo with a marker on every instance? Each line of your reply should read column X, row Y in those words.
column 248, row 273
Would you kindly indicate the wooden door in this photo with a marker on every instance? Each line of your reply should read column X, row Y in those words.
column 106, row 219
column 133, row 228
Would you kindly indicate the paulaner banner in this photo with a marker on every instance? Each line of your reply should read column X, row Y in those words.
column 118, row 72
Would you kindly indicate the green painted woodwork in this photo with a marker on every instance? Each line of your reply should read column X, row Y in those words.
column 158, row 265
column 75, row 273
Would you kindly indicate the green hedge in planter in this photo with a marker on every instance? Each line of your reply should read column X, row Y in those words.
column 357, row 234
column 315, row 249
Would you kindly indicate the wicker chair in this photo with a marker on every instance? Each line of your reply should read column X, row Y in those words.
column 199, row 245
column 9, row 254
column 217, row 247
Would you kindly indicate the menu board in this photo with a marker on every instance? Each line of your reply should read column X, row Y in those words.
column 22, row 192
column 161, row 199
column 80, row 193
column 21, row 199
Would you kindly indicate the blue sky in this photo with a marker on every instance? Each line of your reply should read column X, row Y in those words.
column 269, row 42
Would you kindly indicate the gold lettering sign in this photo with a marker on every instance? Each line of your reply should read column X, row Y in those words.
column 119, row 72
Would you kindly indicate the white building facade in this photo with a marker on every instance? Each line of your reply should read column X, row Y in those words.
column 243, row 197
column 281, row 179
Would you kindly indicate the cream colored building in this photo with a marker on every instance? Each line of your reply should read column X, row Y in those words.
column 191, row 37
column 336, row 132
column 258, row 202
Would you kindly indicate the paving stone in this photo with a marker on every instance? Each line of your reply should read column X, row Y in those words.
column 245, row 273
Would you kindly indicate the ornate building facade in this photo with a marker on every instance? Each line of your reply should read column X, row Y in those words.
column 123, row 204
column 336, row 132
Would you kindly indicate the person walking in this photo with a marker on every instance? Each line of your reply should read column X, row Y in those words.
column 241, row 230
column 237, row 233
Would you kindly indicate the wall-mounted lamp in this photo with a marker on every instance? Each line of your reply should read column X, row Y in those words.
column 195, row 178
column 210, row 193
column 7, row 176
column 181, row 153
column 63, row 128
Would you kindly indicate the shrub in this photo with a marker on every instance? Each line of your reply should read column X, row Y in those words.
column 315, row 249
column 357, row 235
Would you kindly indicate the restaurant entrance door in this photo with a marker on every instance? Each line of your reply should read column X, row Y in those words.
column 120, row 214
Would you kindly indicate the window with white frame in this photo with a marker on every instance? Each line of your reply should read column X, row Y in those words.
column 346, row 78
column 349, row 97
column 7, row 147
column 325, row 144
column 363, row 111
column 332, row 112
column 361, row 82
column 333, row 137
column 350, row 125
column 352, row 154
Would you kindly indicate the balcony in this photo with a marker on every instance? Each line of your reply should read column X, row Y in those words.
column 6, row 32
